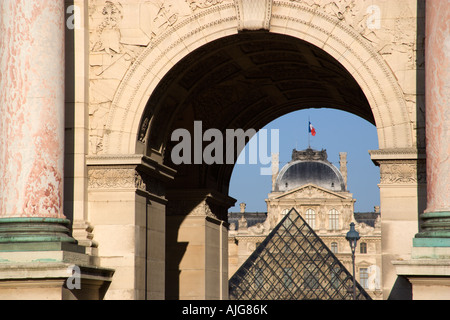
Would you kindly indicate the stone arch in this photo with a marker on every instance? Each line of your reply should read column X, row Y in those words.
column 327, row 32
column 332, row 35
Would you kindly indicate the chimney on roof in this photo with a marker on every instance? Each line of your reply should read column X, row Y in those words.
column 275, row 168
column 343, row 166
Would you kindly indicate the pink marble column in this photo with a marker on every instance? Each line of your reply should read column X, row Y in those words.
column 31, row 108
column 438, row 104
column 436, row 219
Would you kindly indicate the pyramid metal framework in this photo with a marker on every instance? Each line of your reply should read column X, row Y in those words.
column 293, row 263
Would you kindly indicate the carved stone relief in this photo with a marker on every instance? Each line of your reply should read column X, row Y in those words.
column 402, row 172
column 364, row 229
column 186, row 208
column 341, row 9
column 114, row 178
column 202, row 4
column 391, row 35
column 107, row 36
column 119, row 32
column 123, row 178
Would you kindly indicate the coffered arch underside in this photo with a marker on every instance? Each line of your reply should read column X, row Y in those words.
column 332, row 35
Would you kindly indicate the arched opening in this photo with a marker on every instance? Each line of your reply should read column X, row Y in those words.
column 201, row 68
column 243, row 82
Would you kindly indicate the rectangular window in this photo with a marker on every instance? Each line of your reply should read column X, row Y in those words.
column 311, row 218
column 333, row 218
column 364, row 277
column 334, row 247
column 363, row 247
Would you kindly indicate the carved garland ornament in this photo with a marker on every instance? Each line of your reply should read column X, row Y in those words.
column 115, row 178
column 400, row 172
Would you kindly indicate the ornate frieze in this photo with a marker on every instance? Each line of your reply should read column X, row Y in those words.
column 115, row 178
column 202, row 4
column 402, row 172
column 112, row 178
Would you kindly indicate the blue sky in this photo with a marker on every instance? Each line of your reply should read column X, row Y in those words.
column 337, row 131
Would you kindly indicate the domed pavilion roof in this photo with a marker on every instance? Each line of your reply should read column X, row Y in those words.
column 310, row 167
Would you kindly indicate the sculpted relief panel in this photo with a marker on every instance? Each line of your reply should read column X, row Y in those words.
column 120, row 31
column 389, row 26
column 402, row 172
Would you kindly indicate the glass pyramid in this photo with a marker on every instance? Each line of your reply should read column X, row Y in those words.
column 293, row 263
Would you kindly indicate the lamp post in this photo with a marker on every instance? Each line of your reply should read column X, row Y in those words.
column 352, row 238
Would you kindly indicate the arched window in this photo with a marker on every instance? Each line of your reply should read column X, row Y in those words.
column 333, row 218
column 311, row 218
column 334, row 247
column 363, row 247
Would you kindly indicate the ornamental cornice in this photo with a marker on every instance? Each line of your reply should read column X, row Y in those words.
column 397, row 154
column 141, row 162
column 250, row 238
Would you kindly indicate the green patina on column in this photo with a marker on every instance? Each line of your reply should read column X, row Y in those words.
column 435, row 230
column 34, row 233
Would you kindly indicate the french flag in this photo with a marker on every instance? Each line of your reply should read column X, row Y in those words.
column 312, row 130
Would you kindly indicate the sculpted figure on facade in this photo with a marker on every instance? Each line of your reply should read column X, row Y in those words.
column 257, row 229
column 341, row 9
column 107, row 36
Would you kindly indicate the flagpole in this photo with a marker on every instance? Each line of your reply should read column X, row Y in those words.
column 309, row 144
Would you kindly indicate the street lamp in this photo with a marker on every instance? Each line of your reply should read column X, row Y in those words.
column 352, row 238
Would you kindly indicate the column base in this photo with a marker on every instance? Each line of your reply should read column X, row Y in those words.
column 432, row 242
column 35, row 230
column 435, row 225
column 435, row 230
column 428, row 269
column 39, row 259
